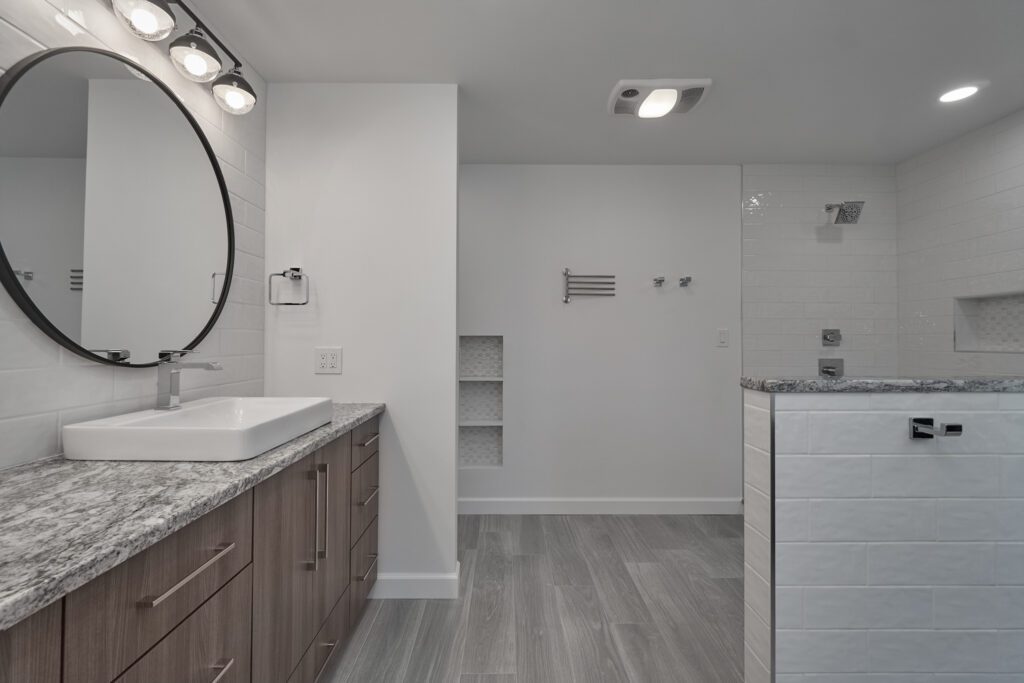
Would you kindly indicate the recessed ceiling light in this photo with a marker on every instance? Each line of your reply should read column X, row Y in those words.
column 654, row 98
column 957, row 94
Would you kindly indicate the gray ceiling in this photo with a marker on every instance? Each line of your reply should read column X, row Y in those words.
column 823, row 81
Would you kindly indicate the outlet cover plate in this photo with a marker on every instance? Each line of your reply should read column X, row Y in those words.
column 327, row 360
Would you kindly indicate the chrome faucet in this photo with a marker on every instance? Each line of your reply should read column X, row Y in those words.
column 168, row 377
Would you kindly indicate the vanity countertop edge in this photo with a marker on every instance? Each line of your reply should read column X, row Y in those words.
column 816, row 385
column 65, row 522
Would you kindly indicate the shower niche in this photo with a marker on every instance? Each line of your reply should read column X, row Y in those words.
column 481, row 400
column 992, row 324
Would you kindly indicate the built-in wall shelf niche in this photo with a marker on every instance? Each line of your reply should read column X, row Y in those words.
column 992, row 324
column 481, row 407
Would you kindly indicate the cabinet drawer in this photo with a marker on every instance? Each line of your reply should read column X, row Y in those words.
column 210, row 646
column 365, row 441
column 328, row 642
column 112, row 620
column 365, row 496
column 364, row 570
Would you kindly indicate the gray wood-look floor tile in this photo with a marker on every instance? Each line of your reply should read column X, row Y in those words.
column 645, row 655
column 593, row 655
column 580, row 599
column 490, row 643
column 568, row 567
column 437, row 653
column 384, row 656
column 541, row 651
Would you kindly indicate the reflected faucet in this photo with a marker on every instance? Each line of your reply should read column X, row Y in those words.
column 168, row 377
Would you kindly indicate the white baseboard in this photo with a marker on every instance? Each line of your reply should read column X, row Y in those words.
column 600, row 506
column 400, row 585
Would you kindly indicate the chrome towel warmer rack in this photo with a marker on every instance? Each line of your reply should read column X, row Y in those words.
column 586, row 285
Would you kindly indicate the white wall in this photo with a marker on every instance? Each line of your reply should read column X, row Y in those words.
column 42, row 202
column 610, row 404
column 41, row 385
column 801, row 276
column 961, row 235
column 362, row 184
column 899, row 556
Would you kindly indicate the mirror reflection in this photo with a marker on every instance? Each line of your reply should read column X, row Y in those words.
column 112, row 216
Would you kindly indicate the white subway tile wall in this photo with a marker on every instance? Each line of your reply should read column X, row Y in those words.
column 961, row 234
column 757, row 553
column 899, row 560
column 801, row 276
column 46, row 387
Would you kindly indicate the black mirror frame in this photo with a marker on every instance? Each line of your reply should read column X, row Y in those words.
column 11, row 282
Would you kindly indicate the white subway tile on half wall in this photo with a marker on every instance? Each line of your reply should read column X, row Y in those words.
column 917, row 576
column 45, row 386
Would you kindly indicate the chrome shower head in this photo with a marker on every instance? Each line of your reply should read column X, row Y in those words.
column 845, row 213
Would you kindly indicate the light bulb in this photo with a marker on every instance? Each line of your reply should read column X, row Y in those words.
column 143, row 20
column 659, row 103
column 959, row 94
column 195, row 64
column 147, row 19
column 234, row 99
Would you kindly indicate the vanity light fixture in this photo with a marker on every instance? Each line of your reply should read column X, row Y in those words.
column 233, row 93
column 150, row 20
column 957, row 94
column 194, row 57
column 193, row 54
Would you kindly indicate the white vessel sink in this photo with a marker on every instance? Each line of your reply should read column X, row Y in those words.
column 211, row 429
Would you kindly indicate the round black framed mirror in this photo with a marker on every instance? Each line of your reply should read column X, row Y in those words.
column 116, row 233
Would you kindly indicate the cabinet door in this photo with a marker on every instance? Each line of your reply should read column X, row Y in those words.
column 284, row 549
column 332, row 576
column 30, row 650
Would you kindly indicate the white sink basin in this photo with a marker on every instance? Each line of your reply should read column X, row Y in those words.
column 211, row 429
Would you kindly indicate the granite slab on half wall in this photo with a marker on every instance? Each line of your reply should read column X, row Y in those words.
column 65, row 522
column 872, row 554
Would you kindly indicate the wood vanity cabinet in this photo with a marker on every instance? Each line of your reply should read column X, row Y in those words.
column 263, row 589
column 30, row 650
column 301, row 556
column 115, row 618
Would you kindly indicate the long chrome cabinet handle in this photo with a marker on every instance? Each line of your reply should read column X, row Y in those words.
column 373, row 494
column 315, row 564
column 326, row 469
column 370, row 441
column 370, row 569
column 327, row 660
column 221, row 551
column 222, row 667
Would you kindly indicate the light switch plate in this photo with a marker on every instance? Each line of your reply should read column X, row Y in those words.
column 327, row 360
column 722, row 339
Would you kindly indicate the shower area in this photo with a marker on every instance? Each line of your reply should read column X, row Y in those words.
column 884, row 499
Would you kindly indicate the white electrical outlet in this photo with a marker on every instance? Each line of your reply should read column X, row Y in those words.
column 723, row 337
column 327, row 360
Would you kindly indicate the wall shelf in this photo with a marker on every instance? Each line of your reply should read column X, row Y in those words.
column 481, row 404
column 989, row 324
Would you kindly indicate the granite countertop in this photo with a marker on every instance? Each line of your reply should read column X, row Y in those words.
column 65, row 522
column 816, row 385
